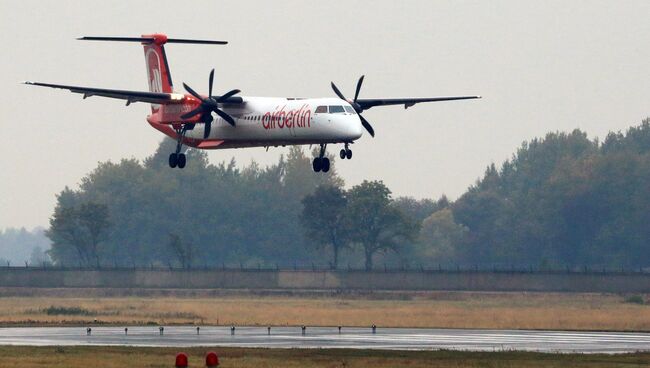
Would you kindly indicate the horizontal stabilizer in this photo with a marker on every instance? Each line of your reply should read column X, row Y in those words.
column 161, row 40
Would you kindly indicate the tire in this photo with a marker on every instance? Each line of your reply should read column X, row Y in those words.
column 342, row 154
column 326, row 165
column 317, row 164
column 348, row 154
column 173, row 160
column 181, row 160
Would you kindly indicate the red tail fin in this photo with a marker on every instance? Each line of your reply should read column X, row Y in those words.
column 160, row 79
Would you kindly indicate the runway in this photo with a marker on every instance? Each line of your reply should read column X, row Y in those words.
column 329, row 337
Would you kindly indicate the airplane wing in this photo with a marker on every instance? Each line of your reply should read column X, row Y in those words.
column 367, row 103
column 129, row 96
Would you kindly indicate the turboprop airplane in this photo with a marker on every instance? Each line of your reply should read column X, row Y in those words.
column 242, row 121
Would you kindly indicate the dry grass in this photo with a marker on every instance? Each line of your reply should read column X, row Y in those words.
column 120, row 357
column 444, row 309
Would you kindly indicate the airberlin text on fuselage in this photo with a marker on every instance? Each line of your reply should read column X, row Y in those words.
column 279, row 119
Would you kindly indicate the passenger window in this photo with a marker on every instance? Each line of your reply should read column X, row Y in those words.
column 321, row 110
column 349, row 109
column 336, row 109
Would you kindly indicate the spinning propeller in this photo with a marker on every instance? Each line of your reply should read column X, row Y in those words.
column 357, row 107
column 208, row 105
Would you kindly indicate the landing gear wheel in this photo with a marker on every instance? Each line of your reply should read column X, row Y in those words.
column 173, row 160
column 342, row 154
column 326, row 164
column 317, row 164
column 181, row 160
column 348, row 154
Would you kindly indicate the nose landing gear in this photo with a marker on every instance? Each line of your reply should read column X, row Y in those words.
column 321, row 163
column 345, row 153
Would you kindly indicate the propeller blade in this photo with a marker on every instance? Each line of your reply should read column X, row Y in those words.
column 338, row 93
column 194, row 112
column 210, row 83
column 193, row 92
column 228, row 95
column 206, row 130
column 206, row 118
column 225, row 117
column 367, row 125
column 356, row 94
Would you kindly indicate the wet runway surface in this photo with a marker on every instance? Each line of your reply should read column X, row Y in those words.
column 329, row 337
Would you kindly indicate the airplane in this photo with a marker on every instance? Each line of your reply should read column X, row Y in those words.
column 242, row 121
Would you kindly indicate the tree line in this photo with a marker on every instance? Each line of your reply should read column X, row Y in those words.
column 562, row 200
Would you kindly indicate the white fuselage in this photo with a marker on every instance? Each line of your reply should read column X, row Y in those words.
column 269, row 121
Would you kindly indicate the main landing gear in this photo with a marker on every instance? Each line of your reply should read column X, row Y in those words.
column 321, row 163
column 345, row 153
column 177, row 159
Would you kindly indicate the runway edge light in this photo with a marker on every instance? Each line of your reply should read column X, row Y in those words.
column 181, row 360
column 211, row 359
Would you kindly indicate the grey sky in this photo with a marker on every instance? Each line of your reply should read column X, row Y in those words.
column 541, row 66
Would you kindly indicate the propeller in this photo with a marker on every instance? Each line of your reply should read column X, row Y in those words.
column 357, row 107
column 208, row 105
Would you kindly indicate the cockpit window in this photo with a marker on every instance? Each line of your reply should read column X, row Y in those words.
column 349, row 109
column 336, row 109
column 321, row 110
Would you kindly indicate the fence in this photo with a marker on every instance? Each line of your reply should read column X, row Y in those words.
column 317, row 279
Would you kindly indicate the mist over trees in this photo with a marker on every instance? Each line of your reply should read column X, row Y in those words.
column 18, row 246
column 561, row 201
column 246, row 216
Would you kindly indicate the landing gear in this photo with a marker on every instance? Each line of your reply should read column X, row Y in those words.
column 321, row 163
column 345, row 153
column 178, row 159
column 173, row 160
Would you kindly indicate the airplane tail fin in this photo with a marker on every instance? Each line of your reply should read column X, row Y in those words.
column 158, row 74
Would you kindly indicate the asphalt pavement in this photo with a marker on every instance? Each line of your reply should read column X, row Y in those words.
column 329, row 337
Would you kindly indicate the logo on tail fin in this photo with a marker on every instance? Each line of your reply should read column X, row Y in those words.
column 155, row 75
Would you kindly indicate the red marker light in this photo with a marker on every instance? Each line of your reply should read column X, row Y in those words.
column 211, row 359
column 181, row 360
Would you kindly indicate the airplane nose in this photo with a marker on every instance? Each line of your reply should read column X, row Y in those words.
column 354, row 127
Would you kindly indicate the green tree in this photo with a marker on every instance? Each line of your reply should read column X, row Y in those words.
column 81, row 228
column 323, row 215
column 375, row 224
column 183, row 251
column 440, row 236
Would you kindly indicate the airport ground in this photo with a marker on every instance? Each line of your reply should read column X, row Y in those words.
column 120, row 357
column 515, row 310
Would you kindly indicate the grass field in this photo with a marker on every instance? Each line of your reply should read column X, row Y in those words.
column 121, row 357
column 440, row 309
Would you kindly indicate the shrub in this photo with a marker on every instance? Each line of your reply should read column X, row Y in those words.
column 66, row 311
column 635, row 299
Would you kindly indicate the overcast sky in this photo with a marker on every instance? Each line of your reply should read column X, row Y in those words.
column 541, row 66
